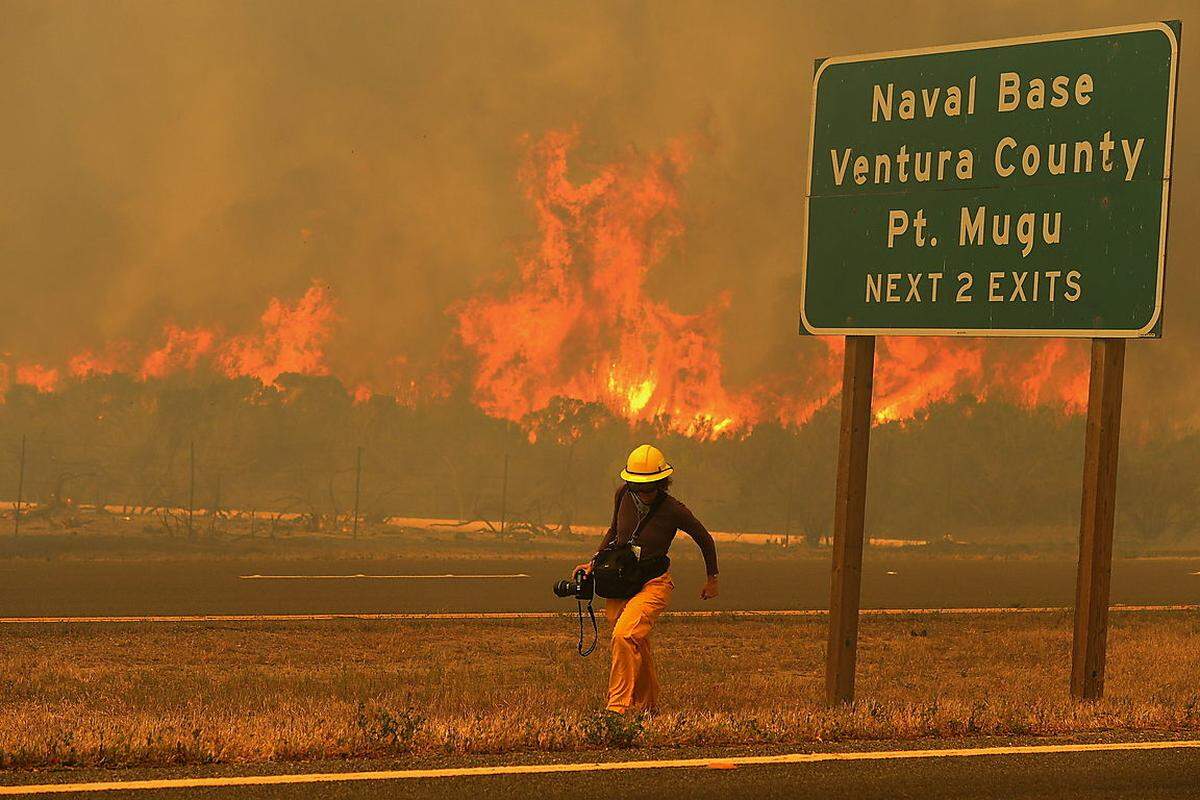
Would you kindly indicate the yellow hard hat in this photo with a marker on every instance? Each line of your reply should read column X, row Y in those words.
column 646, row 464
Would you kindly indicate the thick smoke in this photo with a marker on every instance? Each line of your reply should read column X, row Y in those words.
column 185, row 163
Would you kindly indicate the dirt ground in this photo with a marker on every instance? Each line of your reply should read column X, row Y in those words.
column 108, row 695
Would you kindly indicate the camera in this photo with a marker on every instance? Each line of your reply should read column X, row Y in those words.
column 581, row 586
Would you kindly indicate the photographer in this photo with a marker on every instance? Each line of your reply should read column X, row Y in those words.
column 645, row 520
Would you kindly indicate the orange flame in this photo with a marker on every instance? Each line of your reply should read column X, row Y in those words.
column 87, row 363
column 577, row 334
column 44, row 379
column 579, row 323
column 182, row 350
column 1056, row 373
column 912, row 373
column 292, row 339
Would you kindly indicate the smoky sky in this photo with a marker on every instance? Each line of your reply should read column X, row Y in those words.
column 188, row 161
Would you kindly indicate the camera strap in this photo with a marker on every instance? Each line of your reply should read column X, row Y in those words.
column 595, row 629
column 654, row 504
column 643, row 519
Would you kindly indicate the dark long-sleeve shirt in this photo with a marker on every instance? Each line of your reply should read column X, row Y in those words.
column 659, row 531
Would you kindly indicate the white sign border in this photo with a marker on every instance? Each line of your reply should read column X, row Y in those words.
column 807, row 327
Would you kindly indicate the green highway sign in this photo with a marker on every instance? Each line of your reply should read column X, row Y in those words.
column 1007, row 188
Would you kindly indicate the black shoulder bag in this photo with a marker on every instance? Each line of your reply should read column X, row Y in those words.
column 616, row 569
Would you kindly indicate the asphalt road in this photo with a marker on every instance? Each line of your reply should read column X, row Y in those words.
column 75, row 588
column 1143, row 774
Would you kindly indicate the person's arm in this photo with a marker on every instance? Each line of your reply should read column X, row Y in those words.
column 692, row 527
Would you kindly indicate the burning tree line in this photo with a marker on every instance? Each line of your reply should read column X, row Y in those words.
column 563, row 366
column 959, row 465
column 575, row 319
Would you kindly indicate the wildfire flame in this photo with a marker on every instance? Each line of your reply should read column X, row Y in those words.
column 44, row 379
column 290, row 338
column 87, row 363
column 579, row 323
column 182, row 350
column 577, row 331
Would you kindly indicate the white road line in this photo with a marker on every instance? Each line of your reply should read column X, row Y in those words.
column 601, row 766
column 505, row 615
column 360, row 576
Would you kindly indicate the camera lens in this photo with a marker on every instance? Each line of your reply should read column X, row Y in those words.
column 565, row 588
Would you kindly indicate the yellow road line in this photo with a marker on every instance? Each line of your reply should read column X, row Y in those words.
column 360, row 576
column 596, row 766
column 279, row 617
column 505, row 615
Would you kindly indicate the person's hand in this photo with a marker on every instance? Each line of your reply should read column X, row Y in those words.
column 710, row 589
column 586, row 567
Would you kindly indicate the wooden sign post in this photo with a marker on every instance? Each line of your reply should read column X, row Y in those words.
column 1096, row 518
column 942, row 201
column 849, row 514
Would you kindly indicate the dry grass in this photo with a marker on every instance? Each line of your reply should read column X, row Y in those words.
column 117, row 695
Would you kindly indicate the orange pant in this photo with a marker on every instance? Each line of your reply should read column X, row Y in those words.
column 632, row 682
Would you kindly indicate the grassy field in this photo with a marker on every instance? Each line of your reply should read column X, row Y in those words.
column 134, row 538
column 160, row 694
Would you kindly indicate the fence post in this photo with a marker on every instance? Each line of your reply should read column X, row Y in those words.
column 791, row 499
column 357, row 487
column 212, row 517
column 191, row 483
column 20, row 490
column 504, row 496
